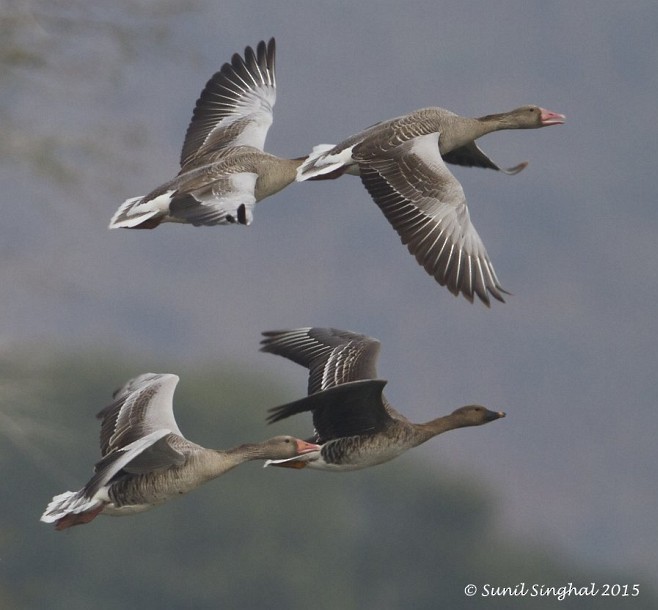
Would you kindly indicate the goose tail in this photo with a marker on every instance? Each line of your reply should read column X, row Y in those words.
column 71, row 508
column 322, row 164
column 141, row 213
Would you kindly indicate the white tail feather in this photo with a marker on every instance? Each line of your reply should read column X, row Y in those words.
column 133, row 212
column 67, row 503
column 319, row 162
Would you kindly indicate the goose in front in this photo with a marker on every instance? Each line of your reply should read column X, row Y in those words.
column 224, row 170
column 354, row 423
column 402, row 164
column 146, row 460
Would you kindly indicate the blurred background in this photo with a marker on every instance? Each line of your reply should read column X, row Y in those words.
column 94, row 103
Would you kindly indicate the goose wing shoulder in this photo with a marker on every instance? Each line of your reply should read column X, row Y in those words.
column 427, row 207
column 155, row 451
column 138, row 431
column 350, row 409
column 236, row 105
column 144, row 405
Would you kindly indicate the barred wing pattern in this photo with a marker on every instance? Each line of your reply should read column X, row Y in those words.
column 333, row 357
column 142, row 406
column 235, row 107
column 427, row 207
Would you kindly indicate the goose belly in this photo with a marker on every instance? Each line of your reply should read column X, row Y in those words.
column 141, row 493
column 343, row 456
column 128, row 509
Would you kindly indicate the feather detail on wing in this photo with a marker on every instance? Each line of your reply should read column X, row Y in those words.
column 427, row 207
column 235, row 107
column 142, row 406
column 334, row 357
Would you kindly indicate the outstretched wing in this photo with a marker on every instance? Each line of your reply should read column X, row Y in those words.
column 235, row 107
column 427, row 207
column 332, row 356
column 144, row 405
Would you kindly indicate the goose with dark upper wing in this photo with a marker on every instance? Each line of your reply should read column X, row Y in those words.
column 354, row 423
column 146, row 460
column 402, row 164
column 224, row 170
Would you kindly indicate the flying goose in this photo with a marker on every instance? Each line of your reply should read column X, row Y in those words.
column 354, row 423
column 224, row 170
column 402, row 164
column 146, row 460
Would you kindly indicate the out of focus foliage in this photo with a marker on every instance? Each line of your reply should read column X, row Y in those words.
column 38, row 63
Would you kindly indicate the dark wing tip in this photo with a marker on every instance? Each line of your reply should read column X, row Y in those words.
column 276, row 414
column 269, row 338
column 472, row 288
column 510, row 171
column 269, row 52
column 415, row 232
column 223, row 91
column 264, row 57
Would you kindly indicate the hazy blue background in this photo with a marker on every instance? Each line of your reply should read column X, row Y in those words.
column 571, row 356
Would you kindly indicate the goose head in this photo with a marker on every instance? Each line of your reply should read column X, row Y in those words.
column 533, row 117
column 285, row 447
column 525, row 117
column 475, row 415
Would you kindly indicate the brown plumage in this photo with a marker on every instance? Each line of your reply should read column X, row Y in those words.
column 354, row 423
column 224, row 170
column 402, row 164
column 146, row 460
